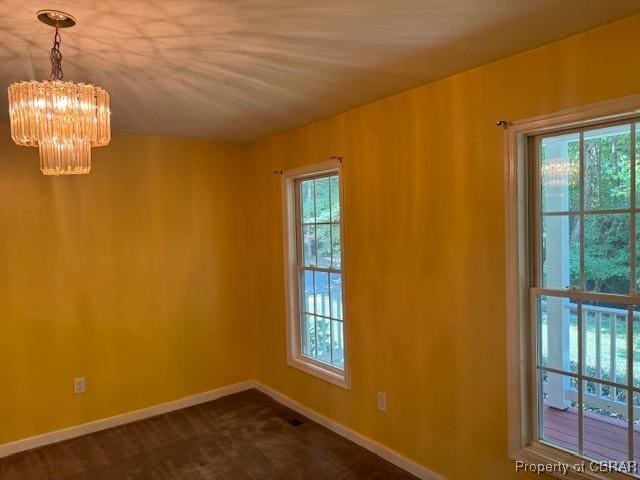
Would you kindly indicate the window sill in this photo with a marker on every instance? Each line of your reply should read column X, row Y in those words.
column 326, row 373
column 577, row 468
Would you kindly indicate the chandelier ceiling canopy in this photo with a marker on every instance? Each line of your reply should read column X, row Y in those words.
column 63, row 119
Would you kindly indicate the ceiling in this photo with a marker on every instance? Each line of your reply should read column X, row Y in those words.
column 238, row 70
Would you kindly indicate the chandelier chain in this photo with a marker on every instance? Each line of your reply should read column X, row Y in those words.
column 56, row 58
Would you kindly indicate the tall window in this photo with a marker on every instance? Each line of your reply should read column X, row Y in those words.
column 313, row 239
column 584, row 290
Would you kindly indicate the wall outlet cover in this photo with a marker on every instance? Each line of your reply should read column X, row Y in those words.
column 79, row 385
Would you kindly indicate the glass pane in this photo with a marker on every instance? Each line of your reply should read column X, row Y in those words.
column 307, row 302
column 607, row 168
column 335, row 286
column 323, row 210
column 307, row 200
column 337, row 343
column 323, row 239
column 336, row 248
column 324, row 339
column 558, row 327
column 605, row 337
column 560, row 251
column 335, row 199
column 309, row 245
column 605, row 423
column 322, row 293
column 606, row 254
column 560, row 173
column 308, row 332
column 558, row 411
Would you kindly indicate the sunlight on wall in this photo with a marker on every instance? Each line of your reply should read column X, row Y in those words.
column 160, row 274
column 126, row 276
column 424, row 248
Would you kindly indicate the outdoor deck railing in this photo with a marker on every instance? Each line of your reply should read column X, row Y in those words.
column 605, row 358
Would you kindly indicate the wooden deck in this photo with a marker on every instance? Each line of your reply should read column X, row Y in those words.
column 604, row 438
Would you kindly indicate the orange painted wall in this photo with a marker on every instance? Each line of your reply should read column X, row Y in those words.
column 127, row 276
column 425, row 268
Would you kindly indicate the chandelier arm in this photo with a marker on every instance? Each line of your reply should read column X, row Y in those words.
column 56, row 58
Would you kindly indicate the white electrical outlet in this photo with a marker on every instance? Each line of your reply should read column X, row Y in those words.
column 79, row 385
column 382, row 401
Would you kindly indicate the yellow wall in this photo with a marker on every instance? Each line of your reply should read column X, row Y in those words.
column 151, row 275
column 127, row 276
column 424, row 226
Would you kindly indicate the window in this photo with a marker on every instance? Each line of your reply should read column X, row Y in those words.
column 573, row 301
column 584, row 291
column 314, row 271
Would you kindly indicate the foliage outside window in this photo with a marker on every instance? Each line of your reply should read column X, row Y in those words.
column 322, row 331
column 584, row 291
column 317, row 337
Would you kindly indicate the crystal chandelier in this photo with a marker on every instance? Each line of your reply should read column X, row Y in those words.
column 63, row 119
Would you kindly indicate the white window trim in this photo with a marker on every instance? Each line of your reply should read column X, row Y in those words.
column 520, row 390
column 295, row 359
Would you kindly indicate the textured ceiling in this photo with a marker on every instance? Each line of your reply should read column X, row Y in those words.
column 238, row 70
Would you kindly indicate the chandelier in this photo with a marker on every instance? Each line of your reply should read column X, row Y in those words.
column 63, row 119
column 560, row 172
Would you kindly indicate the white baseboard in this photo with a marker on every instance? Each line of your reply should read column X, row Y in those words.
column 103, row 424
column 377, row 448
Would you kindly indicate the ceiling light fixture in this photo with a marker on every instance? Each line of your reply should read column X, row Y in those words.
column 63, row 119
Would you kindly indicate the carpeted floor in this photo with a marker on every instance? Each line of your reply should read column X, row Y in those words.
column 243, row 436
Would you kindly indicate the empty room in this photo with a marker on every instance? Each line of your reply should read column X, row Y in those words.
column 341, row 240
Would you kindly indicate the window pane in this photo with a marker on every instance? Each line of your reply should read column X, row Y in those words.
column 558, row 327
column 605, row 423
column 588, row 250
column 336, row 248
column 321, row 318
column 606, row 255
column 322, row 293
column 605, row 336
column 335, row 287
column 558, row 412
column 607, row 168
column 323, row 210
column 337, row 343
column 309, row 245
column 560, row 172
column 307, row 200
column 335, row 199
column 560, row 251
column 323, row 238
column 308, row 331
column 307, row 302
column 324, row 339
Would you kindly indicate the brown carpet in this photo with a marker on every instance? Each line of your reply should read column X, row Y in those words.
column 242, row 436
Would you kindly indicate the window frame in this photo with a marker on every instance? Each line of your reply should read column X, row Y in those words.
column 520, row 251
column 295, row 358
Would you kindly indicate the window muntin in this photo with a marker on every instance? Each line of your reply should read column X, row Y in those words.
column 584, row 291
column 319, row 269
